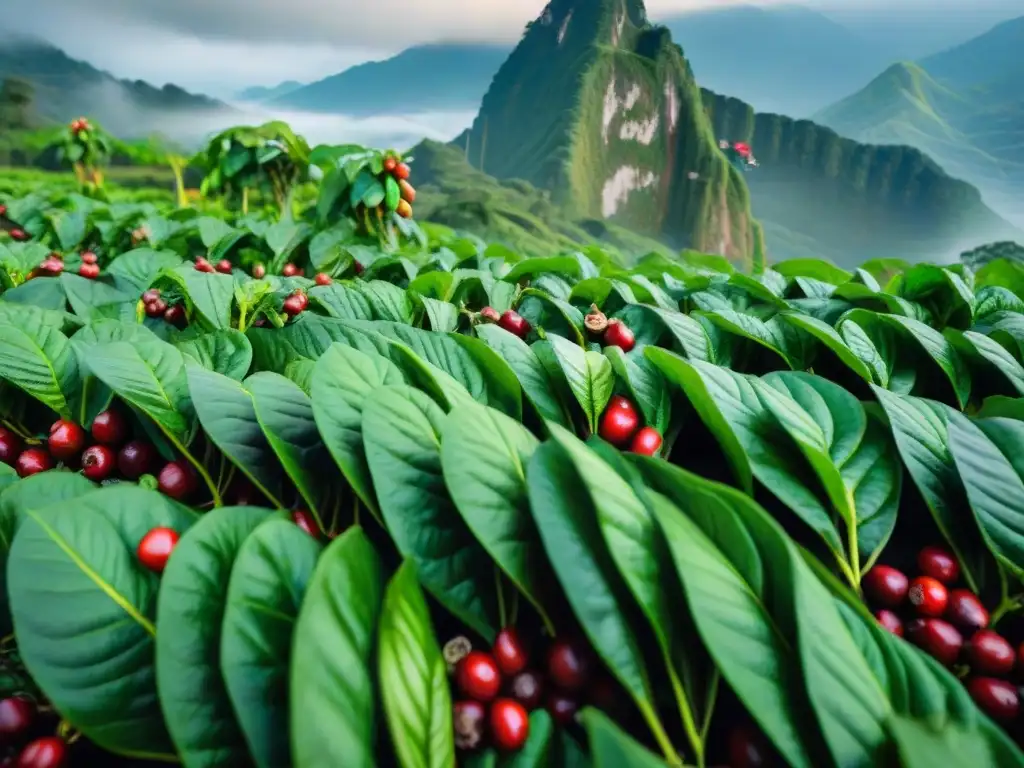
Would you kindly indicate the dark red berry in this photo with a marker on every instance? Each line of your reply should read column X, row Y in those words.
column 290, row 270
column 928, row 596
column 156, row 547
column 562, row 708
column 175, row 316
column 965, row 610
column 489, row 315
column 470, row 721
column 98, row 463
column 155, row 308
column 136, row 458
column 937, row 638
column 514, row 323
column 1020, row 656
column 989, row 653
column 224, row 267
column 47, row 752
column 66, row 440
column 18, row 234
column 32, row 462
column 202, row 265
column 619, row 423
column 16, row 716
column 939, row 564
column 747, row 748
column 151, row 295
column 510, row 725
column 89, row 271
column 509, row 653
column 568, row 665
column 322, row 278
column 295, row 304
column 358, row 267
column 477, row 676
column 10, row 446
column 259, row 271
column 110, row 428
column 885, row 586
column 305, row 521
column 528, row 689
column 88, row 257
column 177, row 480
column 996, row 698
column 890, row 621
column 646, row 442
column 619, row 335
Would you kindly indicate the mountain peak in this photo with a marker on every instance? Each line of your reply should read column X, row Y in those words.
column 601, row 108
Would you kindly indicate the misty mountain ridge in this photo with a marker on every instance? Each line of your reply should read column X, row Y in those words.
column 260, row 93
column 66, row 88
column 964, row 107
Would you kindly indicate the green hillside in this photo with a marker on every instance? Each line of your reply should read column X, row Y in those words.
column 512, row 211
column 602, row 109
column 963, row 107
column 65, row 88
column 258, row 93
column 853, row 199
column 425, row 78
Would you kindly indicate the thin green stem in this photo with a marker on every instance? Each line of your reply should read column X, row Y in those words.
column 710, row 705
column 1006, row 606
column 16, row 429
column 502, row 615
column 664, row 743
column 689, row 724
column 854, row 546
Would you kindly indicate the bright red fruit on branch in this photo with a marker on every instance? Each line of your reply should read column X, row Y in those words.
column 136, row 459
column 477, row 676
column 89, row 271
column 10, row 446
column 965, row 610
column 619, row 335
column 177, row 480
column 305, row 521
column 885, row 586
column 18, row 234
column 322, row 278
column 156, row 547
column 619, row 423
column 989, row 653
column 259, row 271
column 890, row 621
column 290, row 270
column 224, row 267
column 646, row 442
column 389, row 164
column 176, row 316
column 295, row 304
column 928, row 596
column 98, row 463
column 938, row 638
column 402, row 171
column 568, row 665
column 66, row 440
column 528, row 689
column 202, row 265
column 110, row 428
column 510, row 725
column 939, row 564
column 469, row 719
column 996, row 698
column 88, row 257
column 16, row 717
column 514, row 323
column 48, row 752
column 489, row 315
column 509, row 653
column 32, row 462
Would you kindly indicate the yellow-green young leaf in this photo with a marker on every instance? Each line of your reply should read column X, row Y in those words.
column 413, row 677
column 190, row 611
column 333, row 706
column 267, row 585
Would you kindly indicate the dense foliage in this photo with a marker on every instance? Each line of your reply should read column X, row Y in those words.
column 266, row 481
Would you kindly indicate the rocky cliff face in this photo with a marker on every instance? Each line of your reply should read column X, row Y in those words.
column 602, row 109
column 855, row 201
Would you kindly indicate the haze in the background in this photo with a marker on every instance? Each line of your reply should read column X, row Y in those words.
column 221, row 46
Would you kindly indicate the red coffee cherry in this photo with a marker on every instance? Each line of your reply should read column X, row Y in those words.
column 937, row 638
column 996, row 698
column 890, row 621
column 885, row 586
column 477, row 676
column 989, row 653
column 928, row 596
column 938, row 563
column 965, row 610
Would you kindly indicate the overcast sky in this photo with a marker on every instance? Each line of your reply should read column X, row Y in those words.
column 219, row 46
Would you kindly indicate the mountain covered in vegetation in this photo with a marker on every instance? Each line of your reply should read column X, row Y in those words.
column 64, row 88
column 963, row 107
column 258, row 93
column 850, row 198
column 425, row 78
column 601, row 108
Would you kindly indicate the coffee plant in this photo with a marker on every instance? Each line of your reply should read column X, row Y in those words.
column 340, row 489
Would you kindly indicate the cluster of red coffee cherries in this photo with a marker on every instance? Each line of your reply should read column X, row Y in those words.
column 18, row 718
column 17, row 234
column 110, row 455
column 203, row 265
column 613, row 332
column 80, row 124
column 156, row 306
column 53, row 266
column 620, row 426
column 942, row 617
column 497, row 690
column 509, row 320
